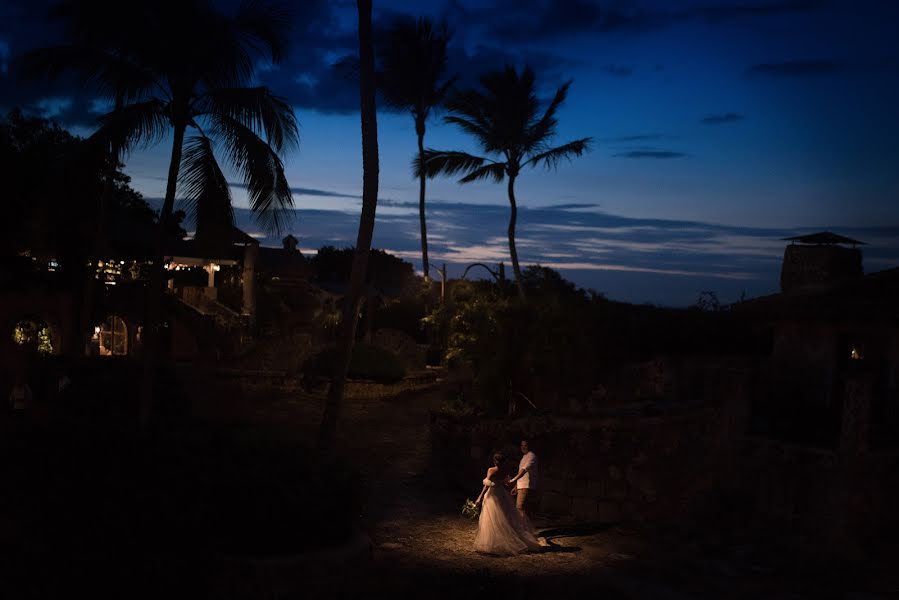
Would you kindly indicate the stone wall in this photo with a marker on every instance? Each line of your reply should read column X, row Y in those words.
column 694, row 468
column 603, row 469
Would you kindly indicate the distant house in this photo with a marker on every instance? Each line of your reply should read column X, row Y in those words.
column 210, row 309
column 834, row 333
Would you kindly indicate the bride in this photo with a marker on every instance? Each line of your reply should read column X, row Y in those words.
column 501, row 528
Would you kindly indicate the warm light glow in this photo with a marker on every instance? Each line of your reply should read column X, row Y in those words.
column 855, row 354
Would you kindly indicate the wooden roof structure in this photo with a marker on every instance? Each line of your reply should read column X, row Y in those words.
column 823, row 237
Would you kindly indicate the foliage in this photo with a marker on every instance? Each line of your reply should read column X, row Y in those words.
column 404, row 314
column 53, row 182
column 470, row 510
column 34, row 335
column 368, row 362
column 563, row 341
column 188, row 66
column 708, row 301
column 385, row 271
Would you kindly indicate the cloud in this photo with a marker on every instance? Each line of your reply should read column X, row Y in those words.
column 303, row 191
column 721, row 119
column 794, row 68
column 519, row 22
column 650, row 154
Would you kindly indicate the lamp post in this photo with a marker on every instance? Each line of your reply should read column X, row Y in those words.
column 499, row 275
column 442, row 271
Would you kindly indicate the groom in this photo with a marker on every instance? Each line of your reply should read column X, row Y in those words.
column 525, row 480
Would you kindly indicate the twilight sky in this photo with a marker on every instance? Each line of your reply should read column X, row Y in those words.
column 720, row 126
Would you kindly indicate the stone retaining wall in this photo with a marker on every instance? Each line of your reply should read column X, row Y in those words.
column 601, row 469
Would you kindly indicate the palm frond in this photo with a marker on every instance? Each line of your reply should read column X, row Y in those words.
column 204, row 189
column 138, row 125
column 478, row 131
column 109, row 74
column 552, row 157
column 412, row 60
column 265, row 26
column 257, row 109
column 261, row 170
column 435, row 163
column 492, row 171
column 546, row 127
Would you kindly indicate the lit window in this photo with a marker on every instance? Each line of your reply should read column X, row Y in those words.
column 113, row 337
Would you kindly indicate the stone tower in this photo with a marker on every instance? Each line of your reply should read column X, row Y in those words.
column 819, row 259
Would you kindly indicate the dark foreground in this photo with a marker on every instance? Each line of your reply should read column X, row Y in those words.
column 226, row 501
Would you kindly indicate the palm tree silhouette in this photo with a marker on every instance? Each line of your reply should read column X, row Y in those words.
column 183, row 65
column 369, row 118
column 503, row 116
column 412, row 64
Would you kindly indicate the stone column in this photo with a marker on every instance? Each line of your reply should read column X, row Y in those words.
column 250, row 254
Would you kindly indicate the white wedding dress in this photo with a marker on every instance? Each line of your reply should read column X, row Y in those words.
column 501, row 528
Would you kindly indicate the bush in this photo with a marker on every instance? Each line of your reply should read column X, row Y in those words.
column 368, row 362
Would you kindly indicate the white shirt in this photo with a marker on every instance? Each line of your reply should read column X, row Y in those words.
column 529, row 464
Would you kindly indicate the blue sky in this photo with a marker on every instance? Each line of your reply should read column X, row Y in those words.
column 720, row 126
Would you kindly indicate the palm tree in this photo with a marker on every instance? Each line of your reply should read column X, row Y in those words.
column 503, row 117
column 412, row 63
column 328, row 426
column 184, row 67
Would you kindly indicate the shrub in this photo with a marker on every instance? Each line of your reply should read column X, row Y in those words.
column 368, row 362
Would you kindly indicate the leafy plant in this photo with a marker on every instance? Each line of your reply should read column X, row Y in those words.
column 470, row 510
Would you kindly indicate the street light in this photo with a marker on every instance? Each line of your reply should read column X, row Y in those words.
column 442, row 271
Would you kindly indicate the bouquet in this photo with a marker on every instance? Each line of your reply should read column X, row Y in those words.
column 470, row 509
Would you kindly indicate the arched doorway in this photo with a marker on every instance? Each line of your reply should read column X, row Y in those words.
column 34, row 334
column 113, row 336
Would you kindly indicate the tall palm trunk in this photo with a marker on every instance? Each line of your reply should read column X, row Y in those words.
column 426, row 265
column 328, row 426
column 156, row 290
column 513, row 217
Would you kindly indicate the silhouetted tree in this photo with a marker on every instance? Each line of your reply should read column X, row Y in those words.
column 369, row 118
column 183, row 66
column 503, row 117
column 384, row 269
column 411, row 78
